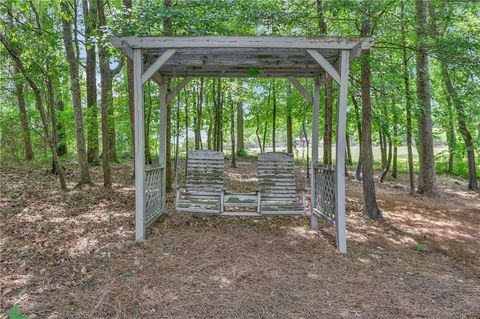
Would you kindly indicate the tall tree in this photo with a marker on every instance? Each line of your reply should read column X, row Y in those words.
column 76, row 95
column 274, row 115
column 408, row 99
column 104, row 100
column 168, row 31
column 427, row 175
column 240, row 138
column 466, row 135
column 289, row 119
column 328, row 120
column 370, row 206
column 19, row 91
column 40, row 107
column 90, row 22
column 130, row 88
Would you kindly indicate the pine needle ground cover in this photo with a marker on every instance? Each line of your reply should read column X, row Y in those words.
column 73, row 255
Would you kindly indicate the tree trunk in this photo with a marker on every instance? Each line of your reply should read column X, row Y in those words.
column 467, row 137
column 198, row 119
column 427, row 176
column 408, row 102
column 257, row 133
column 218, row 117
column 148, row 122
column 232, row 133
column 104, row 97
column 90, row 21
column 41, row 110
column 240, row 141
column 289, row 120
column 76, row 97
column 168, row 31
column 389, row 161
column 186, row 129
column 274, row 115
column 328, row 120
column 370, row 206
column 349, row 150
column 395, row 162
column 51, row 101
column 27, row 140
column 61, row 138
column 383, row 148
column 451, row 138
column 130, row 89
column 358, row 170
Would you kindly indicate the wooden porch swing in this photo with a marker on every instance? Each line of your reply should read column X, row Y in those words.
column 204, row 189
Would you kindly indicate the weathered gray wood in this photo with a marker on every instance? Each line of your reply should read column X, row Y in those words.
column 163, row 136
column 204, row 187
column 277, row 193
column 157, row 65
column 241, row 42
column 325, row 64
column 139, row 146
column 340, row 154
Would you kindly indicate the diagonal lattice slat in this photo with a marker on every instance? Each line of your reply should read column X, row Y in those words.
column 153, row 192
column 325, row 191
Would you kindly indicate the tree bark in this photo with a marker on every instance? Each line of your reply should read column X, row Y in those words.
column 358, row 170
column 240, row 140
column 104, row 101
column 233, row 164
column 370, row 206
column 328, row 120
column 289, row 120
column 427, row 176
column 274, row 115
column 408, row 101
column 198, row 118
column 130, row 87
column 61, row 138
column 389, row 161
column 467, row 137
column 76, row 97
column 90, row 21
column 27, row 140
column 349, row 150
column 168, row 31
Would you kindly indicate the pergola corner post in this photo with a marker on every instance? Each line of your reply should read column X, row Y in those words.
column 163, row 137
column 315, row 134
column 340, row 222
column 140, row 203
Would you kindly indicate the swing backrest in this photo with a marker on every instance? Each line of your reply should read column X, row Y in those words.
column 276, row 177
column 205, row 172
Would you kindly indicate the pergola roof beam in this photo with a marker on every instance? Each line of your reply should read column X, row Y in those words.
column 239, row 42
column 301, row 89
column 325, row 64
column 157, row 65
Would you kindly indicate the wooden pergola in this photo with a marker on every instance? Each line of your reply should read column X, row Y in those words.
column 159, row 58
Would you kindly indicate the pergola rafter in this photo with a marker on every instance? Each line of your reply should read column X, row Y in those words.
column 158, row 58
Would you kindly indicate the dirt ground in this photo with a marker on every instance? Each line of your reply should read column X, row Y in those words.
column 72, row 255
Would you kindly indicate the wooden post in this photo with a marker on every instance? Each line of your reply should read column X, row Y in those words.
column 139, row 145
column 340, row 223
column 315, row 125
column 163, row 137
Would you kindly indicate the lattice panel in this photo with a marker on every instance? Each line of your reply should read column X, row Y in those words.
column 153, row 192
column 325, row 191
